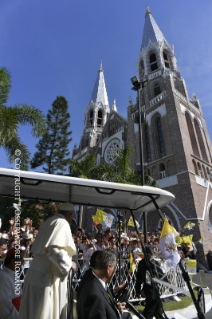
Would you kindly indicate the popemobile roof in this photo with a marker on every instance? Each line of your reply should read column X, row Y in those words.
column 57, row 188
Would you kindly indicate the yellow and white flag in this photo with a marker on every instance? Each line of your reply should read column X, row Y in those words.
column 168, row 245
column 131, row 222
column 103, row 218
column 201, row 240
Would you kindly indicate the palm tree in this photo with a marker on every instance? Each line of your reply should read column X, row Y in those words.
column 11, row 117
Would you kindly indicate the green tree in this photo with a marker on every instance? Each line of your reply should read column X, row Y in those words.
column 11, row 117
column 53, row 146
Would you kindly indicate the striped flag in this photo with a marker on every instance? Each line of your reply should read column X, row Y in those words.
column 131, row 222
column 168, row 245
column 103, row 218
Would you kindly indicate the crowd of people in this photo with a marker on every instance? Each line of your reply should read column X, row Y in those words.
column 54, row 249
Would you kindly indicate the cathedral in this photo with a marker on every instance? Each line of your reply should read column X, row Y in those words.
column 176, row 144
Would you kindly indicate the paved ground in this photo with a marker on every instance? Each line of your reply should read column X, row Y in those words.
column 190, row 312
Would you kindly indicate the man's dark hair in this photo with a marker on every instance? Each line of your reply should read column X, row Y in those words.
column 105, row 257
column 3, row 241
column 149, row 251
column 93, row 259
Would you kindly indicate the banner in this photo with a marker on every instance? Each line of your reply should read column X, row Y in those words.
column 131, row 222
column 168, row 245
column 103, row 218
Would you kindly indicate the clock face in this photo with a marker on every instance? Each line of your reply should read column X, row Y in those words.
column 111, row 151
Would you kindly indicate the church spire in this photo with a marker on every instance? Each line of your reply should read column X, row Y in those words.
column 99, row 94
column 151, row 30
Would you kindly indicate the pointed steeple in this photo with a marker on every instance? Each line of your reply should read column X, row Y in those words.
column 114, row 108
column 151, row 30
column 99, row 92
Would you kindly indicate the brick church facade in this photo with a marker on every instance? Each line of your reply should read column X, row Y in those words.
column 176, row 144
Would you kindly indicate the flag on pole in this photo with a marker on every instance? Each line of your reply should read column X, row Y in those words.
column 188, row 239
column 103, row 218
column 201, row 240
column 189, row 225
column 132, row 263
column 168, row 245
column 131, row 222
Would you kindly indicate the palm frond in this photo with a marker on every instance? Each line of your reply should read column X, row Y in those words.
column 11, row 147
column 28, row 114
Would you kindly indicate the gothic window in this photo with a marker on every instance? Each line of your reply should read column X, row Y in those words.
column 157, row 89
column 99, row 118
column 141, row 69
column 204, row 172
column 148, row 152
column 160, row 137
column 153, row 62
column 192, row 135
column 200, row 140
column 166, row 60
column 209, row 174
column 91, row 117
column 162, row 170
column 199, row 169
column 195, row 167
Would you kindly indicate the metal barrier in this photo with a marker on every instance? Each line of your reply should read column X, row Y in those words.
column 173, row 276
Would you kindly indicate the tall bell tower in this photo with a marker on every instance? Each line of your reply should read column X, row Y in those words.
column 96, row 115
column 177, row 147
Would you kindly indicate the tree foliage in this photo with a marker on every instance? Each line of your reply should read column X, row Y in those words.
column 53, row 146
column 11, row 117
column 120, row 172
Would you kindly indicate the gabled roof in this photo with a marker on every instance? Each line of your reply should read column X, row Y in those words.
column 151, row 31
column 99, row 92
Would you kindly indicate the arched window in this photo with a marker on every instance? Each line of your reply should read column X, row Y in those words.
column 166, row 60
column 195, row 167
column 200, row 140
column 160, row 137
column 209, row 174
column 153, row 62
column 91, row 117
column 141, row 69
column 148, row 152
column 199, row 170
column 99, row 118
column 192, row 135
column 204, row 172
column 162, row 170
column 157, row 89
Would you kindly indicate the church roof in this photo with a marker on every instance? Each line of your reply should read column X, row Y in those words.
column 151, row 30
column 99, row 92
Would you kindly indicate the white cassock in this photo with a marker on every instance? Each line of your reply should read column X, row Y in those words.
column 7, row 293
column 45, row 286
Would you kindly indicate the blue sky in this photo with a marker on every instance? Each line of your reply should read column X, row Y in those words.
column 54, row 48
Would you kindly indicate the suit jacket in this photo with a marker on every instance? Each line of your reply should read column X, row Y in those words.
column 94, row 302
column 148, row 289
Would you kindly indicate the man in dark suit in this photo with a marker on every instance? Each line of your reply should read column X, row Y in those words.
column 95, row 299
column 153, row 304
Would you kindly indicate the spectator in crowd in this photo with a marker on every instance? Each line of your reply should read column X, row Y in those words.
column 3, row 248
column 10, row 290
column 99, row 242
column 45, row 287
column 95, row 300
column 112, row 244
column 35, row 232
column 89, row 248
column 125, row 249
column 134, row 248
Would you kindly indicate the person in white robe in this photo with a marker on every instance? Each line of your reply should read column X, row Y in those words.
column 45, row 286
column 10, row 287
